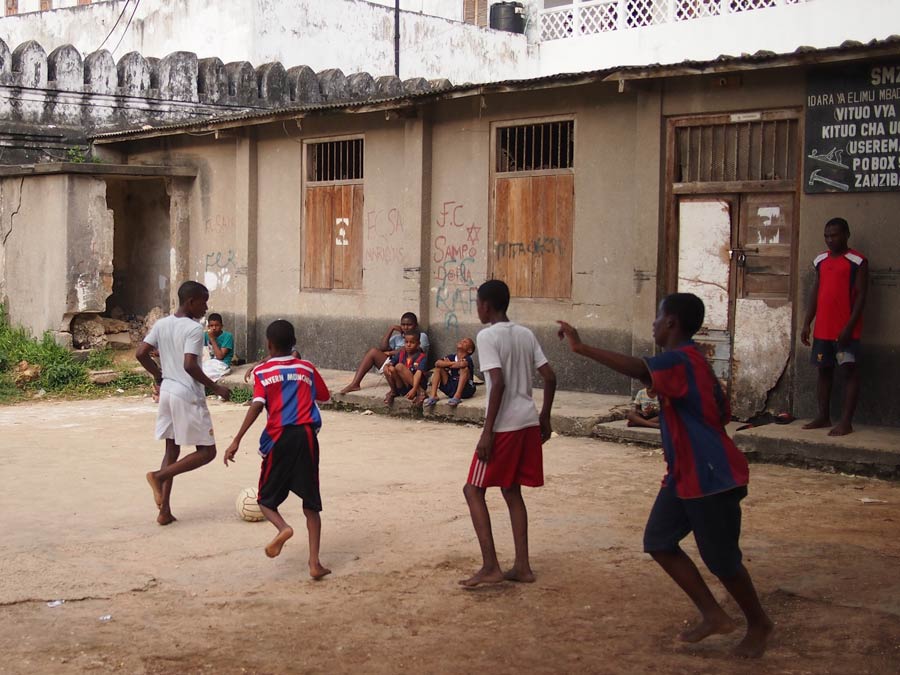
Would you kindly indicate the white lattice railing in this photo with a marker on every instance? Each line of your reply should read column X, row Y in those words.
column 586, row 17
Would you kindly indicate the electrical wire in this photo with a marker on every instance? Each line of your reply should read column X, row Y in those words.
column 127, row 25
column 121, row 14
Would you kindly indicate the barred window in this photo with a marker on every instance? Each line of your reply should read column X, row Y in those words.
column 333, row 161
column 536, row 147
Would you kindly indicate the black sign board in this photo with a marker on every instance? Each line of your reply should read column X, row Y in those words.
column 853, row 129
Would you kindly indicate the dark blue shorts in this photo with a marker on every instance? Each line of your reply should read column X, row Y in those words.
column 715, row 521
column 827, row 353
column 449, row 387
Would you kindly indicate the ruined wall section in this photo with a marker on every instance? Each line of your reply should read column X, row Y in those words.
column 49, row 102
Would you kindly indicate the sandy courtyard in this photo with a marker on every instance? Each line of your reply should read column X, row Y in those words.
column 200, row 596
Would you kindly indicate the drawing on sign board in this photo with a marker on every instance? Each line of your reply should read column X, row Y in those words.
column 833, row 157
column 342, row 224
column 814, row 177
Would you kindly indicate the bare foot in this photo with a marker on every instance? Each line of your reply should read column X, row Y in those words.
column 317, row 570
column 275, row 546
column 482, row 576
column 349, row 388
column 754, row 644
column 389, row 398
column 721, row 626
column 165, row 518
column 526, row 577
column 841, row 429
column 818, row 423
column 156, row 487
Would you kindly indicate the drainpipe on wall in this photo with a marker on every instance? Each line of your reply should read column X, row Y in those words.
column 397, row 38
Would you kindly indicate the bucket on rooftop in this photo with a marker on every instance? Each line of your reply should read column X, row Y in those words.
column 508, row 16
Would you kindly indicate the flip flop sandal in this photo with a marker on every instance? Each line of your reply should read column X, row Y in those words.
column 429, row 402
column 453, row 402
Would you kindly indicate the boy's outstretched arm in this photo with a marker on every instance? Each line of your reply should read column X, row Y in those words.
column 485, row 446
column 255, row 408
column 549, row 377
column 631, row 366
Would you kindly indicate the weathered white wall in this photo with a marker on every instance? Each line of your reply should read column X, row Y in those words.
column 823, row 23
column 352, row 35
column 447, row 9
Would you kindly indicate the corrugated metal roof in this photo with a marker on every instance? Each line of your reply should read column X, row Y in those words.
column 800, row 56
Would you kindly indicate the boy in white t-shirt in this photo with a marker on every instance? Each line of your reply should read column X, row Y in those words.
column 508, row 454
column 182, row 418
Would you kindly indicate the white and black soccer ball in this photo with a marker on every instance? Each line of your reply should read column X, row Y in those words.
column 246, row 506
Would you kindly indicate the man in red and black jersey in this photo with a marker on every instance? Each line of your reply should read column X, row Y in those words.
column 836, row 303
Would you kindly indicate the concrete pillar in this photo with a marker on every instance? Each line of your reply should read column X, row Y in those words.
column 178, row 77
column 362, row 86
column 29, row 64
column 271, row 80
column 179, row 190
column 5, row 64
column 246, row 195
column 242, row 82
column 388, row 86
column 212, row 80
column 415, row 199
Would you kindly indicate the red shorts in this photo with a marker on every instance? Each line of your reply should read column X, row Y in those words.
column 517, row 459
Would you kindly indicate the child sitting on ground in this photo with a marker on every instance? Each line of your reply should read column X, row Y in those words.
column 218, row 347
column 646, row 410
column 288, row 389
column 405, row 372
column 453, row 375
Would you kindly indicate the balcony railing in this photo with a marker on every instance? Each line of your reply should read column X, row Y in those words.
column 588, row 17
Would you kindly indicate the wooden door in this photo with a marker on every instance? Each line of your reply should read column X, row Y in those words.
column 333, row 237
column 532, row 223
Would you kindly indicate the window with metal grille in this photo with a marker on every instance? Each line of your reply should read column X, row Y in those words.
column 475, row 12
column 536, row 147
column 333, row 161
column 743, row 151
column 12, row 7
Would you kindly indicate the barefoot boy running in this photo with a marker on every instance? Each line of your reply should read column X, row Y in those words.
column 707, row 475
column 288, row 389
column 508, row 454
column 183, row 418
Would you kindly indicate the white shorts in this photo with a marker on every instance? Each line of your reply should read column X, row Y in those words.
column 186, row 422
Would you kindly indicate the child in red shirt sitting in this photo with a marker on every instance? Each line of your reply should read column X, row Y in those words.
column 405, row 372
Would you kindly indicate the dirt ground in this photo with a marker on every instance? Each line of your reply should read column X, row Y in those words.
column 200, row 596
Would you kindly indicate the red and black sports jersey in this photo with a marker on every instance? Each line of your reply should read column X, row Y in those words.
column 289, row 388
column 837, row 293
column 701, row 458
column 415, row 361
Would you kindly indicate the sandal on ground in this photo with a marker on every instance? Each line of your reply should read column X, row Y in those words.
column 429, row 402
column 453, row 402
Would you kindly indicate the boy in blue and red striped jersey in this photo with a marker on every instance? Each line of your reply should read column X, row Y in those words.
column 706, row 476
column 405, row 374
column 288, row 388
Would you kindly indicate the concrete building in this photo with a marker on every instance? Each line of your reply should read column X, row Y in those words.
column 449, row 38
column 591, row 194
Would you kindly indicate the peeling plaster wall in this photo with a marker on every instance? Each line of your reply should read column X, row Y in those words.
column 762, row 347
column 33, row 271
column 352, row 35
column 89, row 228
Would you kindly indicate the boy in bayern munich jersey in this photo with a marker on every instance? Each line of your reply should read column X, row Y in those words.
column 706, row 476
column 508, row 454
column 836, row 302
column 288, row 388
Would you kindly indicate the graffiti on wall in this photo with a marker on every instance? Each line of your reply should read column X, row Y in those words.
column 220, row 267
column 384, row 237
column 454, row 251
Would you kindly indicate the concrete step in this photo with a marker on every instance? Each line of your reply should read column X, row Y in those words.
column 872, row 451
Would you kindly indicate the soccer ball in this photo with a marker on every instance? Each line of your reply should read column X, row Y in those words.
column 246, row 506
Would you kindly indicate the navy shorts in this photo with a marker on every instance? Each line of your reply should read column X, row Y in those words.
column 292, row 465
column 715, row 521
column 827, row 353
column 449, row 387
